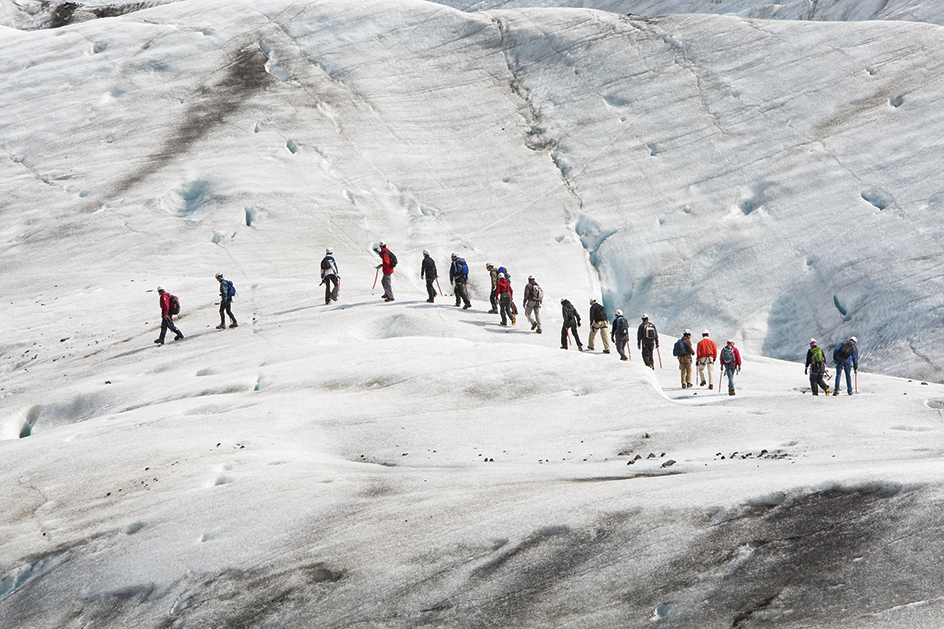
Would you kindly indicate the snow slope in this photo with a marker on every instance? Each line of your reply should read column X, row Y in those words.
column 413, row 464
column 819, row 10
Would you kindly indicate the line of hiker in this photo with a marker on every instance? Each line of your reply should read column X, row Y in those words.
column 501, row 298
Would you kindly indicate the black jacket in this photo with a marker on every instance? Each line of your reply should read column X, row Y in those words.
column 428, row 269
column 571, row 317
column 640, row 335
column 598, row 313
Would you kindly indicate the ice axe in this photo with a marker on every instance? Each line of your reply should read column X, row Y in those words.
column 660, row 356
column 376, row 273
column 439, row 287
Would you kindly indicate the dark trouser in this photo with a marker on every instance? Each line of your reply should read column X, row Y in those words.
column 462, row 293
column 506, row 312
column 647, row 354
column 225, row 305
column 430, row 289
column 332, row 286
column 573, row 328
column 492, row 300
column 167, row 323
column 817, row 382
column 621, row 341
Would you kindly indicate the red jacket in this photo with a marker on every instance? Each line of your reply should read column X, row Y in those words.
column 165, row 304
column 385, row 261
column 503, row 286
column 737, row 357
column 707, row 348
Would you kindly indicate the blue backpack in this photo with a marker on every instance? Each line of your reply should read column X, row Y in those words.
column 679, row 349
column 230, row 289
column 462, row 267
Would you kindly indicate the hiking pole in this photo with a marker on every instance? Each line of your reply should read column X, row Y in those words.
column 857, row 381
column 439, row 287
column 376, row 273
column 660, row 357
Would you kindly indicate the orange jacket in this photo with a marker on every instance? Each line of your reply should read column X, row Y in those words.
column 707, row 349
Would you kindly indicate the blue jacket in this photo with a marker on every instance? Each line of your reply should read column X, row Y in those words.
column 458, row 270
column 329, row 267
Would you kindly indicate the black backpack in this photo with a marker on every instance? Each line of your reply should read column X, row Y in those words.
column 393, row 259
column 649, row 331
column 727, row 355
column 174, row 306
column 842, row 352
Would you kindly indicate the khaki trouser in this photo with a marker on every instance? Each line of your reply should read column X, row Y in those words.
column 704, row 364
column 685, row 366
column 601, row 327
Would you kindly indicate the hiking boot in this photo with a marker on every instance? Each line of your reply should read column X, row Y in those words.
column 702, row 383
column 606, row 351
column 159, row 341
column 711, row 386
column 534, row 325
column 388, row 298
column 179, row 336
column 826, row 391
column 624, row 359
column 221, row 326
column 589, row 349
column 850, row 392
column 234, row 325
column 563, row 347
column 429, row 301
column 492, row 311
column 580, row 349
column 467, row 306
column 512, row 321
column 538, row 330
column 836, row 392
column 730, row 390
column 504, row 324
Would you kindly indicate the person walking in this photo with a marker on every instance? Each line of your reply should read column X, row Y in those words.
column 599, row 322
column 330, row 277
column 706, row 353
column 169, row 307
column 730, row 364
column 387, row 263
column 684, row 351
column 533, row 296
column 816, row 368
column 571, row 323
column 493, row 275
column 620, row 334
column 647, row 339
column 227, row 292
column 428, row 271
column 504, row 295
column 846, row 357
column 459, row 277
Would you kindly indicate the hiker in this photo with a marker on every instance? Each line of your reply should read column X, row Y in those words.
column 647, row 339
column 730, row 363
column 846, row 357
column 533, row 296
column 706, row 352
column 684, row 351
column 330, row 277
column 493, row 274
column 571, row 322
column 428, row 271
column 816, row 368
column 598, row 323
column 166, row 313
column 620, row 334
column 387, row 263
column 504, row 295
column 227, row 292
column 459, row 277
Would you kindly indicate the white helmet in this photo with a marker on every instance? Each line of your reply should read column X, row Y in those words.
column 328, row 251
column 854, row 339
column 645, row 316
column 619, row 313
column 425, row 252
column 704, row 333
column 687, row 332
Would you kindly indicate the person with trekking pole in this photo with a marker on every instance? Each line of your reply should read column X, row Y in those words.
column 599, row 322
column 620, row 334
column 227, row 292
column 706, row 352
column 730, row 364
column 533, row 296
column 684, row 351
column 571, row 323
column 428, row 271
column 459, row 278
column 816, row 368
column 846, row 357
column 169, row 307
column 387, row 263
column 647, row 339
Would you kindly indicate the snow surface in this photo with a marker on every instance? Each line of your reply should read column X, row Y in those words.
column 412, row 464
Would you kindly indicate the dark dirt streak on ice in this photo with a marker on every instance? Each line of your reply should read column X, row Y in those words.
column 243, row 78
